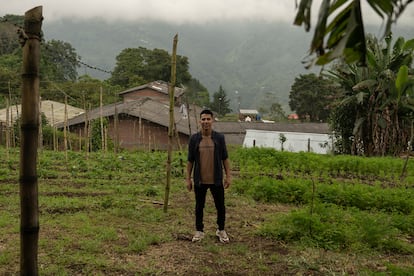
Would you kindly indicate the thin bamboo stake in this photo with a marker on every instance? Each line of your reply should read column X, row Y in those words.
column 12, row 141
column 101, row 120
column 7, row 130
column 65, row 130
column 116, row 133
column 29, row 217
column 140, row 128
column 40, row 126
column 134, row 129
column 7, row 125
column 171, row 125
column 195, row 115
column 105, row 139
column 177, row 137
column 86, row 132
column 54, row 130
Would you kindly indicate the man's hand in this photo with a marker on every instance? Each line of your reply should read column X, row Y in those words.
column 189, row 184
column 227, row 182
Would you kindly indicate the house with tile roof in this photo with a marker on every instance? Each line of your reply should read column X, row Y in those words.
column 141, row 120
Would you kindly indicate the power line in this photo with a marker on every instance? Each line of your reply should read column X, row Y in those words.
column 78, row 60
column 5, row 20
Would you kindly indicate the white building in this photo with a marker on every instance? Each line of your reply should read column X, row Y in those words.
column 295, row 141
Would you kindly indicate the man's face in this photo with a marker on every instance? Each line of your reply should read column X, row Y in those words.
column 206, row 121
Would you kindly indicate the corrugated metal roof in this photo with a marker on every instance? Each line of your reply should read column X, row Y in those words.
column 159, row 85
column 46, row 108
column 248, row 111
column 147, row 109
column 240, row 127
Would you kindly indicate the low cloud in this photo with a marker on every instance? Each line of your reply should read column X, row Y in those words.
column 180, row 11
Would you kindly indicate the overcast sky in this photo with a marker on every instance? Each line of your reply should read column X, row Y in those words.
column 176, row 11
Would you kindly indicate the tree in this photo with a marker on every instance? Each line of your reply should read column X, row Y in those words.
column 196, row 93
column 344, row 35
column 136, row 66
column 84, row 91
column 276, row 112
column 10, row 75
column 378, row 99
column 59, row 61
column 8, row 33
column 310, row 97
column 270, row 108
column 220, row 103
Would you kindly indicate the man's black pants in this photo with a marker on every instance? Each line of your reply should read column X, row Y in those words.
column 218, row 196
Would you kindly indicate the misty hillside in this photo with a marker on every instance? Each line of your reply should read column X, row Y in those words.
column 259, row 60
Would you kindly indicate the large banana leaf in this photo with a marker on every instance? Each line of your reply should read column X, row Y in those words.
column 339, row 31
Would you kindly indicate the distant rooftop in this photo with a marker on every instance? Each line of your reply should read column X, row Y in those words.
column 158, row 85
column 249, row 111
column 55, row 117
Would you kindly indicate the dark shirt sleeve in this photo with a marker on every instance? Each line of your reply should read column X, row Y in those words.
column 191, row 149
column 224, row 154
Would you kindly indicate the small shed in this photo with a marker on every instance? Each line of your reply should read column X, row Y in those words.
column 321, row 143
column 249, row 115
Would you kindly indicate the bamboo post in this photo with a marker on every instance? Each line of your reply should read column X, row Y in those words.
column 65, row 130
column 177, row 136
column 86, row 132
column 7, row 125
column 9, row 121
column 40, row 126
column 29, row 217
column 116, row 134
column 11, row 127
column 105, row 139
column 54, row 129
column 171, row 125
column 195, row 115
column 101, row 120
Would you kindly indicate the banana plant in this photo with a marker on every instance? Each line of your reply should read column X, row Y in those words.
column 339, row 31
column 380, row 96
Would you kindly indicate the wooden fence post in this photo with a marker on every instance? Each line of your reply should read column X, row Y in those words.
column 171, row 125
column 29, row 219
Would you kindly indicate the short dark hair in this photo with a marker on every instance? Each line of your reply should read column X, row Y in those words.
column 207, row 111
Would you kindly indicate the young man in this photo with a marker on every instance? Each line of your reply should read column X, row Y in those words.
column 207, row 155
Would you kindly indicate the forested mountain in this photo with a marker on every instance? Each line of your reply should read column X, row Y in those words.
column 259, row 60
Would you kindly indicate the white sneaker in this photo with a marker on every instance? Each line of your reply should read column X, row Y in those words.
column 222, row 235
column 198, row 236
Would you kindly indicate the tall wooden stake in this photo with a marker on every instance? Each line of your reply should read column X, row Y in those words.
column 116, row 131
column 7, row 130
column 86, row 131
column 101, row 120
column 29, row 213
column 65, row 129
column 54, row 129
column 171, row 125
column 40, row 126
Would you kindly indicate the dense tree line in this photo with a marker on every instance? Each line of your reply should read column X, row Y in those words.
column 59, row 77
column 374, row 112
column 310, row 97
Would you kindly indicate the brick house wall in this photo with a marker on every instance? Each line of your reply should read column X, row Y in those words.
column 132, row 134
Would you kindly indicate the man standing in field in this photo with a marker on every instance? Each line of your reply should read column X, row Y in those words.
column 207, row 155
